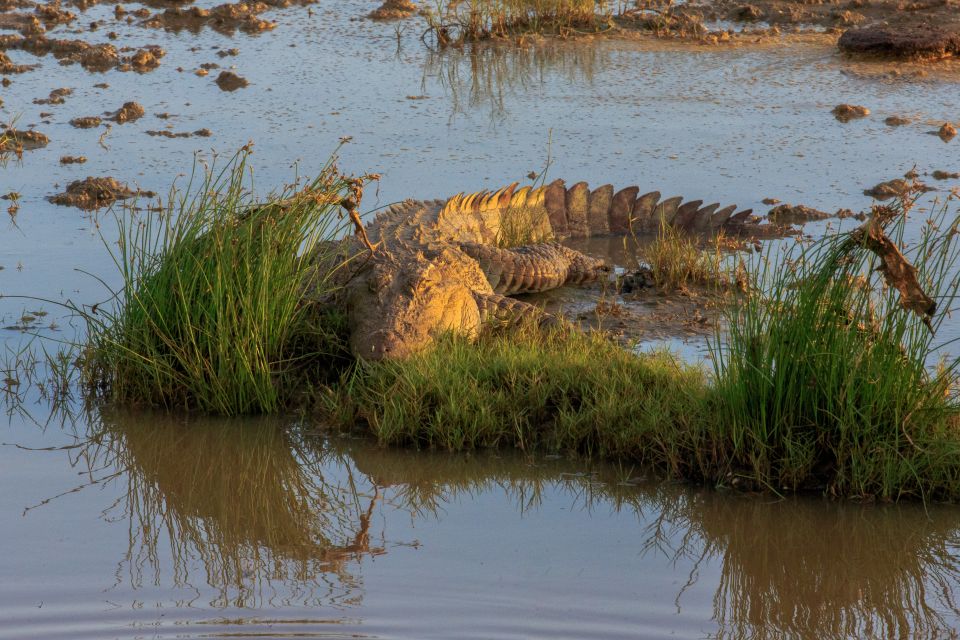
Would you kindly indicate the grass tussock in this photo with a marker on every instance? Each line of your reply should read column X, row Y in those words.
column 825, row 380
column 553, row 389
column 457, row 22
column 521, row 226
column 211, row 315
column 678, row 261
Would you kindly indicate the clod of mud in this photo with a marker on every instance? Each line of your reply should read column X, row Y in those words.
column 129, row 112
column 228, row 52
column 896, row 121
column 945, row 175
column 73, row 159
column 95, row 193
column 146, row 59
column 229, row 81
column 224, row 18
column 14, row 140
column 200, row 133
column 947, row 132
column 848, row 112
column 7, row 67
column 770, row 201
column 86, row 122
column 895, row 188
column 918, row 38
column 393, row 10
column 57, row 96
column 52, row 14
column 795, row 214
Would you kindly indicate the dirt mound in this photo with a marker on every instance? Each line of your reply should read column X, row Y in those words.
column 86, row 122
column 129, row 112
column 920, row 39
column 16, row 140
column 94, row 193
column 229, row 81
column 394, row 10
column 848, row 112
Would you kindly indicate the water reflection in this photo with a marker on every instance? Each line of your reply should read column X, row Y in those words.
column 798, row 568
column 248, row 504
column 486, row 74
column 254, row 509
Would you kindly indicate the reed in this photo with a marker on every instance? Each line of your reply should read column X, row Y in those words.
column 213, row 313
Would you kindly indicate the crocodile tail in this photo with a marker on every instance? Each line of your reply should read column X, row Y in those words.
column 579, row 212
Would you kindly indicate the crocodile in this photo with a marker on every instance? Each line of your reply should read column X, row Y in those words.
column 422, row 268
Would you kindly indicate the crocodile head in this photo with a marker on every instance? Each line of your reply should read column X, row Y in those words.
column 399, row 304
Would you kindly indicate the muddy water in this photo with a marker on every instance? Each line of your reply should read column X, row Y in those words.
column 156, row 528
column 138, row 527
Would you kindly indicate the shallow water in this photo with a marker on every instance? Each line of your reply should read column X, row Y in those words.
column 158, row 528
column 148, row 527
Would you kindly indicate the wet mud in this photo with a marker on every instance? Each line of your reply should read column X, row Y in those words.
column 96, row 193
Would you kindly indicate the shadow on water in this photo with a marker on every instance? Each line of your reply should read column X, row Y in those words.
column 487, row 74
column 246, row 507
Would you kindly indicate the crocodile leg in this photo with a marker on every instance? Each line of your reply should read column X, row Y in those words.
column 501, row 310
column 535, row 267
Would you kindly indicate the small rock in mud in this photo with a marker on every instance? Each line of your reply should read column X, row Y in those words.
column 914, row 39
column 15, row 139
column 393, row 10
column 201, row 72
column 895, row 188
column 86, row 122
column 795, row 214
column 228, row 52
column 101, row 85
column 94, row 193
column 229, row 81
column 57, row 96
column 947, row 132
column 848, row 112
column 73, row 159
column 209, row 65
column 896, row 121
column 770, row 201
column 129, row 112
column 945, row 175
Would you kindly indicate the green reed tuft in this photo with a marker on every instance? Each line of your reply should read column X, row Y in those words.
column 824, row 381
column 213, row 314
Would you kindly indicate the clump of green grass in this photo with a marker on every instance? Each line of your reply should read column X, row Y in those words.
column 826, row 382
column 456, row 22
column 213, row 313
column 678, row 261
column 521, row 226
column 553, row 389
